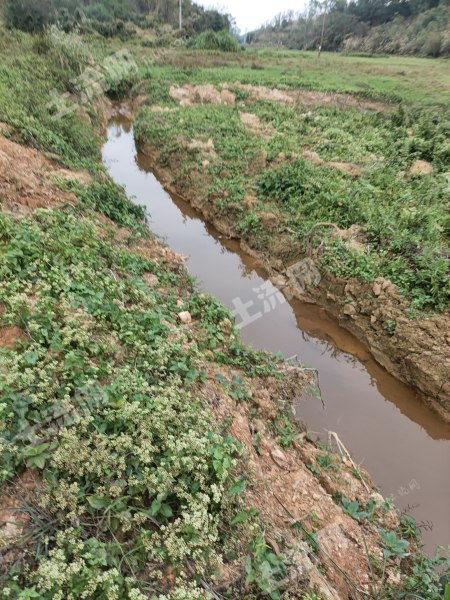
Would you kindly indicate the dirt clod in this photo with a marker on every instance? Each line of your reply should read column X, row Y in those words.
column 185, row 317
column 10, row 336
column 421, row 167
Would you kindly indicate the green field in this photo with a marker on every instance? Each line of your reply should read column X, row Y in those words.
column 393, row 78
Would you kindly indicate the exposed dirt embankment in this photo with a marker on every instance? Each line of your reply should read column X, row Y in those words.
column 27, row 177
column 284, row 491
column 415, row 350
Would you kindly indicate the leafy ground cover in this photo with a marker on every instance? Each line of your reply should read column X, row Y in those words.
column 127, row 464
column 96, row 398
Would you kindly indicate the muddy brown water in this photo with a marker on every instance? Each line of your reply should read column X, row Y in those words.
column 401, row 442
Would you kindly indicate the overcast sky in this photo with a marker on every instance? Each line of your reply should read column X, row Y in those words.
column 250, row 14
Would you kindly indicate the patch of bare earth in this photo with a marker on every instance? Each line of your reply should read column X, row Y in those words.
column 340, row 100
column 285, row 492
column 14, row 517
column 188, row 95
column 260, row 92
column 350, row 168
column 27, row 179
column 421, row 167
column 307, row 98
column 255, row 126
column 354, row 237
column 11, row 336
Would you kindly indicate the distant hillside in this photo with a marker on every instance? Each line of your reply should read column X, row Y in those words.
column 108, row 16
column 420, row 27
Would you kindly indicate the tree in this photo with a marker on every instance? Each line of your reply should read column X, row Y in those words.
column 29, row 15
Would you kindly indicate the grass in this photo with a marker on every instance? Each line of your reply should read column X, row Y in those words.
column 30, row 68
column 98, row 377
column 398, row 79
column 415, row 81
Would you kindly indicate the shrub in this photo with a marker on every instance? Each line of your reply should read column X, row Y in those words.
column 28, row 15
column 68, row 51
column 433, row 44
column 216, row 40
column 98, row 12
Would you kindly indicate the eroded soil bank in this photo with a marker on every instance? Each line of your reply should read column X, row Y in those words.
column 297, row 519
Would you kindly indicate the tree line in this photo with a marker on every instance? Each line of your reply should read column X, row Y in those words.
column 374, row 26
column 108, row 15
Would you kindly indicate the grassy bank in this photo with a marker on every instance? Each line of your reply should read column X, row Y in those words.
column 146, row 453
column 305, row 160
column 100, row 401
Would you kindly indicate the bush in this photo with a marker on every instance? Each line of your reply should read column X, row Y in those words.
column 28, row 15
column 68, row 51
column 216, row 40
column 98, row 12
column 433, row 44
